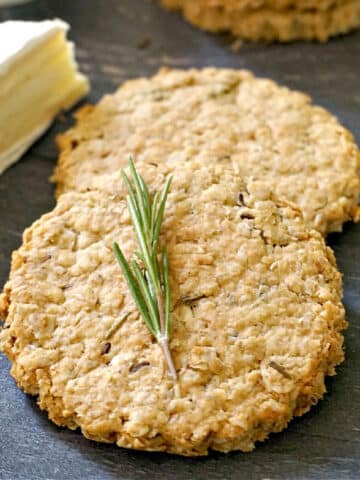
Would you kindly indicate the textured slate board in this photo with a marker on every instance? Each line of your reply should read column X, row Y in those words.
column 325, row 444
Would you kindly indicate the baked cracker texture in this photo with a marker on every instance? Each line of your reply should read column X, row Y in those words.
column 218, row 116
column 256, row 316
column 271, row 21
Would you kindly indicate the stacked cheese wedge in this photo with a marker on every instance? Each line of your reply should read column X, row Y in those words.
column 38, row 78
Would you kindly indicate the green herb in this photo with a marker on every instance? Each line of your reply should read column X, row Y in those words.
column 148, row 280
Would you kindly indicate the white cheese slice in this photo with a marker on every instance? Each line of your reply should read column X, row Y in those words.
column 39, row 77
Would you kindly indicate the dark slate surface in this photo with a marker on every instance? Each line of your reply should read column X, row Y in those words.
column 325, row 444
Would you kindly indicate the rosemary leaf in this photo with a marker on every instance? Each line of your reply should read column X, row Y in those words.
column 147, row 199
column 129, row 187
column 141, row 198
column 149, row 300
column 165, row 268
column 160, row 213
column 133, row 286
column 155, row 204
column 141, row 237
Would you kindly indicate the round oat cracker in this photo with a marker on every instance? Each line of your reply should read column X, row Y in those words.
column 221, row 116
column 256, row 316
column 272, row 20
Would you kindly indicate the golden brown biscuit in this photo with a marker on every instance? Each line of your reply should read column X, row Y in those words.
column 262, row 4
column 256, row 317
column 272, row 21
column 220, row 116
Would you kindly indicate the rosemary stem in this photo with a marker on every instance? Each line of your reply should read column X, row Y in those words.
column 160, row 302
column 164, row 344
column 163, row 339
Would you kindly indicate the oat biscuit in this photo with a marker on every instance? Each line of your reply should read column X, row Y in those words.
column 272, row 21
column 256, row 316
column 221, row 116
column 262, row 4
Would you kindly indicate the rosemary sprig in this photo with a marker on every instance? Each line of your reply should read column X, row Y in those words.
column 148, row 280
